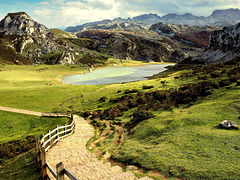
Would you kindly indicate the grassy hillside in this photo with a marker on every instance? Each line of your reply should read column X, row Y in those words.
column 24, row 167
column 175, row 128
column 168, row 124
column 63, row 34
column 18, row 126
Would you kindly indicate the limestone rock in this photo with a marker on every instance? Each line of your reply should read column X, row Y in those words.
column 143, row 46
column 223, row 45
column 229, row 124
column 131, row 168
column 34, row 40
column 197, row 36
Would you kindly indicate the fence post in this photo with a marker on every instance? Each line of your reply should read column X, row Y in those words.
column 38, row 152
column 44, row 165
column 49, row 137
column 72, row 116
column 60, row 171
column 42, row 137
column 57, row 133
column 65, row 129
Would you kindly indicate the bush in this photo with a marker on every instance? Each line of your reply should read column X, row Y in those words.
column 86, row 114
column 103, row 99
column 147, row 87
column 13, row 148
column 139, row 116
column 127, row 91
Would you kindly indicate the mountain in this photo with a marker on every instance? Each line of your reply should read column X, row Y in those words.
column 223, row 45
column 148, row 18
column 25, row 41
column 197, row 36
column 128, row 45
column 218, row 18
column 117, row 24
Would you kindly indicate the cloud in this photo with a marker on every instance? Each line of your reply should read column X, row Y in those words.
column 75, row 12
column 63, row 13
column 44, row 3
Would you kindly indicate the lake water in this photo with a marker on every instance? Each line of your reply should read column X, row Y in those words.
column 115, row 75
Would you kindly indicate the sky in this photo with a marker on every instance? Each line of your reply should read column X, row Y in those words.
column 64, row 13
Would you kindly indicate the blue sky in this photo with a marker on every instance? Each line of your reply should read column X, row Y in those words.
column 63, row 13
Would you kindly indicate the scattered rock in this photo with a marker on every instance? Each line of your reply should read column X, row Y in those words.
column 106, row 155
column 228, row 124
column 131, row 168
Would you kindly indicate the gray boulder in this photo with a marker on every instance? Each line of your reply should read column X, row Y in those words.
column 228, row 124
column 131, row 168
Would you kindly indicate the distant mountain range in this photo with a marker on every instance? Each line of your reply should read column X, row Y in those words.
column 220, row 18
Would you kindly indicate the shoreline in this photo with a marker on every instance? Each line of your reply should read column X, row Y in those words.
column 145, row 77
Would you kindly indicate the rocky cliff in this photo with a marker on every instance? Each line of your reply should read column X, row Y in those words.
column 27, row 41
column 197, row 36
column 129, row 45
column 223, row 45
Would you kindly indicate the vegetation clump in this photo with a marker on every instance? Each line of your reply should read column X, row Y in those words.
column 13, row 148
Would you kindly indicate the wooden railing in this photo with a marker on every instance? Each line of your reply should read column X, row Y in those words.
column 47, row 141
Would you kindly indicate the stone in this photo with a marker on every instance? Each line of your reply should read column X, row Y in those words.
column 227, row 124
column 131, row 168
column 7, row 21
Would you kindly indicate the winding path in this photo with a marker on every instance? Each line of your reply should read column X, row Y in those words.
column 75, row 157
column 20, row 111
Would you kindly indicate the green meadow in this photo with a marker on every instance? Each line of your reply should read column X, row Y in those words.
column 183, row 141
column 18, row 126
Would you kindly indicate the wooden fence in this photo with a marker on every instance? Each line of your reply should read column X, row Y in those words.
column 47, row 141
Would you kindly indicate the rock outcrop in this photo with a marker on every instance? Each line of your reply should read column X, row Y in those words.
column 129, row 45
column 223, row 45
column 118, row 24
column 197, row 36
column 229, row 125
column 31, row 40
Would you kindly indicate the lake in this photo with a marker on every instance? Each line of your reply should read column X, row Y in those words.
column 115, row 75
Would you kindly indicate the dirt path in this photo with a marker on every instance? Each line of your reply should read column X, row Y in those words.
column 73, row 153
column 20, row 111
column 84, row 164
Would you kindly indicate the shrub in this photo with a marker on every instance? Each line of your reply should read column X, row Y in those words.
column 139, row 116
column 127, row 91
column 13, row 148
column 238, row 83
column 86, row 114
column 147, row 87
column 103, row 99
column 215, row 75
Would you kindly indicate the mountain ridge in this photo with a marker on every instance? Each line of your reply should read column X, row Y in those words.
column 220, row 18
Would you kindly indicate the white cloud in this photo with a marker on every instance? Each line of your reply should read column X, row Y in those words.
column 75, row 12
column 63, row 13
column 44, row 3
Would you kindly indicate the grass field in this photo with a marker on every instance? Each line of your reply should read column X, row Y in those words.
column 182, row 142
column 187, row 141
column 18, row 126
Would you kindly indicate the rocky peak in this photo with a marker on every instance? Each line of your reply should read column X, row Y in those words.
column 21, row 23
column 33, row 41
column 226, row 12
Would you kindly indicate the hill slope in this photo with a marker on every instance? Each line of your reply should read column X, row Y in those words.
column 140, row 46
